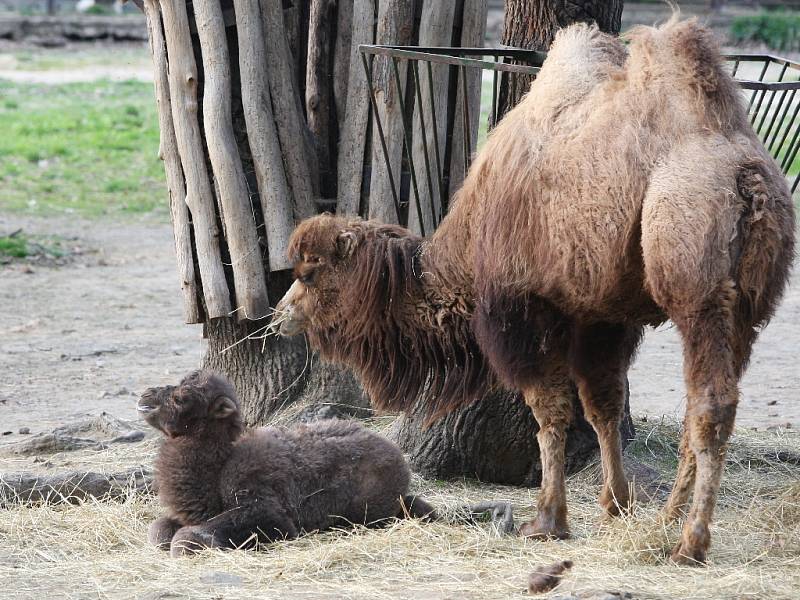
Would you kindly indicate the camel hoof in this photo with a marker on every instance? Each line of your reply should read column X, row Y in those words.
column 688, row 557
column 188, row 541
column 537, row 530
column 615, row 506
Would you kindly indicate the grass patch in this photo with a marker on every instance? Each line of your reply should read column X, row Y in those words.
column 13, row 246
column 20, row 246
column 88, row 149
column 755, row 551
column 778, row 29
column 37, row 59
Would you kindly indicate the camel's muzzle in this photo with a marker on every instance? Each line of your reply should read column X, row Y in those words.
column 287, row 320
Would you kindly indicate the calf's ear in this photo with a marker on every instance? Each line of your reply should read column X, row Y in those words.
column 345, row 243
column 223, row 408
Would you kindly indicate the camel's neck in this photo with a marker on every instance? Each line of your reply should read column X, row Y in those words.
column 188, row 471
column 407, row 329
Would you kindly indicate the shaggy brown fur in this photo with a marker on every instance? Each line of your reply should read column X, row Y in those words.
column 627, row 188
column 225, row 489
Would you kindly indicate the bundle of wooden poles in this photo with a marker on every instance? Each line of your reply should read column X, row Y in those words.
column 265, row 117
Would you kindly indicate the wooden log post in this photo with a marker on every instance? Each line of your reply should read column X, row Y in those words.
column 341, row 59
column 353, row 132
column 262, row 135
column 319, row 88
column 395, row 26
column 292, row 130
column 237, row 214
column 168, row 152
column 473, row 30
column 435, row 29
column 199, row 196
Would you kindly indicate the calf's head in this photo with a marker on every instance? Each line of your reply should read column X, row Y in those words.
column 321, row 249
column 203, row 402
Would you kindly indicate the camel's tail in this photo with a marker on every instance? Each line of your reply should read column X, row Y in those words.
column 766, row 249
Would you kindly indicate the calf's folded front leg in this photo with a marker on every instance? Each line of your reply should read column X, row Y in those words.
column 242, row 526
column 161, row 532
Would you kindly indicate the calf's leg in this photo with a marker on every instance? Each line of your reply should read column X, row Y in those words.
column 263, row 521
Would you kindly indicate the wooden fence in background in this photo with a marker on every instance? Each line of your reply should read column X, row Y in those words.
column 266, row 119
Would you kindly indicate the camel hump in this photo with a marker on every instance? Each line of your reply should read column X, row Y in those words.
column 580, row 58
column 683, row 57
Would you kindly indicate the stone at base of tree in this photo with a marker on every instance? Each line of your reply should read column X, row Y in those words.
column 332, row 392
column 107, row 428
column 493, row 441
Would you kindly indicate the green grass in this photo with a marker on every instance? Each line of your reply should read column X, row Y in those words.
column 15, row 247
column 88, row 149
column 49, row 59
column 21, row 245
column 778, row 29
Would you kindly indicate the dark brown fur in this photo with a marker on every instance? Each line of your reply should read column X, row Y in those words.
column 223, row 488
column 423, row 346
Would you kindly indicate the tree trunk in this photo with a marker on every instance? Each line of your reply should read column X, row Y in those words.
column 269, row 374
column 532, row 24
column 494, row 440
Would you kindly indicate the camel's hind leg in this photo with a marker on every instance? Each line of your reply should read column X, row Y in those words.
column 684, row 480
column 550, row 400
column 716, row 248
column 712, row 377
column 600, row 355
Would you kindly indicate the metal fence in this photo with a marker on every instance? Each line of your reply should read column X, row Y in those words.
column 425, row 181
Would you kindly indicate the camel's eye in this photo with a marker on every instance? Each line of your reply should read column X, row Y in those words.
column 307, row 278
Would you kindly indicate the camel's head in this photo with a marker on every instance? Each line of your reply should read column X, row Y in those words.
column 320, row 248
column 202, row 402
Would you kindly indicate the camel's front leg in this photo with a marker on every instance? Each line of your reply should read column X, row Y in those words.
column 599, row 358
column 551, row 403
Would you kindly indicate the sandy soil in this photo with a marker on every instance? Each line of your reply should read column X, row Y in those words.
column 83, row 338
column 86, row 337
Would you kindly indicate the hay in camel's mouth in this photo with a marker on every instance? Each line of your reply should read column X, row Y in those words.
column 98, row 549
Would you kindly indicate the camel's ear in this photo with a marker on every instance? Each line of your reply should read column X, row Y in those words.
column 223, row 408
column 345, row 243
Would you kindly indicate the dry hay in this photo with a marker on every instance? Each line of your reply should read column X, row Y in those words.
column 98, row 549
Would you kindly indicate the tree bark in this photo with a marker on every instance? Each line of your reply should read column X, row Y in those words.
column 168, row 152
column 494, row 440
column 272, row 375
column 473, row 30
column 532, row 24
column 269, row 373
column 353, row 144
column 237, row 214
column 199, row 195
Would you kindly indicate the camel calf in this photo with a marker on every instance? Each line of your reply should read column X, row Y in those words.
column 223, row 488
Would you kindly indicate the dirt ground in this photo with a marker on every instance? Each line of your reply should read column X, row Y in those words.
column 84, row 337
column 87, row 336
